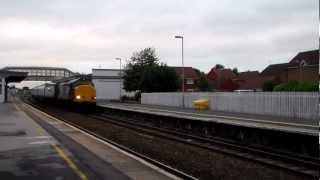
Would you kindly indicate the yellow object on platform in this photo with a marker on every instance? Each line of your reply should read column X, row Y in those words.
column 201, row 104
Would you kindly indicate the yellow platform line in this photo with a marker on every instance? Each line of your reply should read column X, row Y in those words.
column 40, row 131
column 70, row 163
column 62, row 154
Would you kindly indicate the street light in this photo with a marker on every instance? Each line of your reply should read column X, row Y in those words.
column 181, row 37
column 120, row 82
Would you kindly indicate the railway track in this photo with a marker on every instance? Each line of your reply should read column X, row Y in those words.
column 168, row 169
column 290, row 162
column 268, row 138
column 283, row 160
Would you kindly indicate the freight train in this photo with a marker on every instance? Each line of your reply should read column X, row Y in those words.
column 78, row 90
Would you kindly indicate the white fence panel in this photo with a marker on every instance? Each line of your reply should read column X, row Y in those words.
column 288, row 104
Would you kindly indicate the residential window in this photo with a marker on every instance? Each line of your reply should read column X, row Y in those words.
column 303, row 63
column 190, row 81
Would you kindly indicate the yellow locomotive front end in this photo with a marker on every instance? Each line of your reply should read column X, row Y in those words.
column 84, row 94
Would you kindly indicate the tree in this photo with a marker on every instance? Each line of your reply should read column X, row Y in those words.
column 145, row 74
column 145, row 57
column 269, row 85
column 202, row 83
column 159, row 78
column 131, row 77
column 219, row 66
column 235, row 71
column 134, row 70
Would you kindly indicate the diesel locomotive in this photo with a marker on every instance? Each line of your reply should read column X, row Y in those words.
column 78, row 90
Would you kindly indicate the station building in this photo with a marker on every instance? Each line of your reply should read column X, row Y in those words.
column 109, row 84
column 7, row 77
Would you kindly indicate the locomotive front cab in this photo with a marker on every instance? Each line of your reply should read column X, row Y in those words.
column 84, row 94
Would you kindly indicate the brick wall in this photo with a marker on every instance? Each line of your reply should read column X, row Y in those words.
column 307, row 73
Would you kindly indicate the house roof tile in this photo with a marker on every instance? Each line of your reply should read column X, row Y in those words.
column 220, row 73
column 310, row 57
column 274, row 69
column 248, row 74
column 189, row 72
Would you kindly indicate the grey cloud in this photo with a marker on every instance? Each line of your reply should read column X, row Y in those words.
column 247, row 34
column 288, row 7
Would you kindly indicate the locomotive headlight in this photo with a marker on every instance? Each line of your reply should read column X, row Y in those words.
column 78, row 97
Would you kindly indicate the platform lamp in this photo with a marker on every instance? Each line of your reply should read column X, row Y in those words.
column 182, row 86
column 120, row 74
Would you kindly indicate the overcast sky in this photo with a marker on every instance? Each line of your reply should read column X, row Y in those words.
column 83, row 34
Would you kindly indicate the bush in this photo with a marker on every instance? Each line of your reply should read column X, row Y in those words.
column 269, row 85
column 137, row 96
column 297, row 86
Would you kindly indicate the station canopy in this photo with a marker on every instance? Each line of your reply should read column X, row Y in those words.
column 12, row 76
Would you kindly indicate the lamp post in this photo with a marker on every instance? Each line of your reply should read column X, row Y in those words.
column 182, row 86
column 120, row 74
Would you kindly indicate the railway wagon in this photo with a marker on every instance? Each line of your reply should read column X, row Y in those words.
column 38, row 91
column 46, row 90
column 49, row 90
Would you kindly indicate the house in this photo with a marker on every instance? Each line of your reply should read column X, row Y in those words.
column 303, row 67
column 252, row 80
column 249, row 80
column 190, row 78
column 222, row 79
column 276, row 71
column 248, row 74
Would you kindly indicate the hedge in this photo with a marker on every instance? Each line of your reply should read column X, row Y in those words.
column 297, row 86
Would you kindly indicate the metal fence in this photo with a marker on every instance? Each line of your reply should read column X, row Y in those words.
column 287, row 104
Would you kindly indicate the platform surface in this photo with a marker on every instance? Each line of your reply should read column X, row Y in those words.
column 303, row 126
column 29, row 150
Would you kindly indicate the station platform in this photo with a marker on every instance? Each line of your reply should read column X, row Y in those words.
column 303, row 126
column 37, row 146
